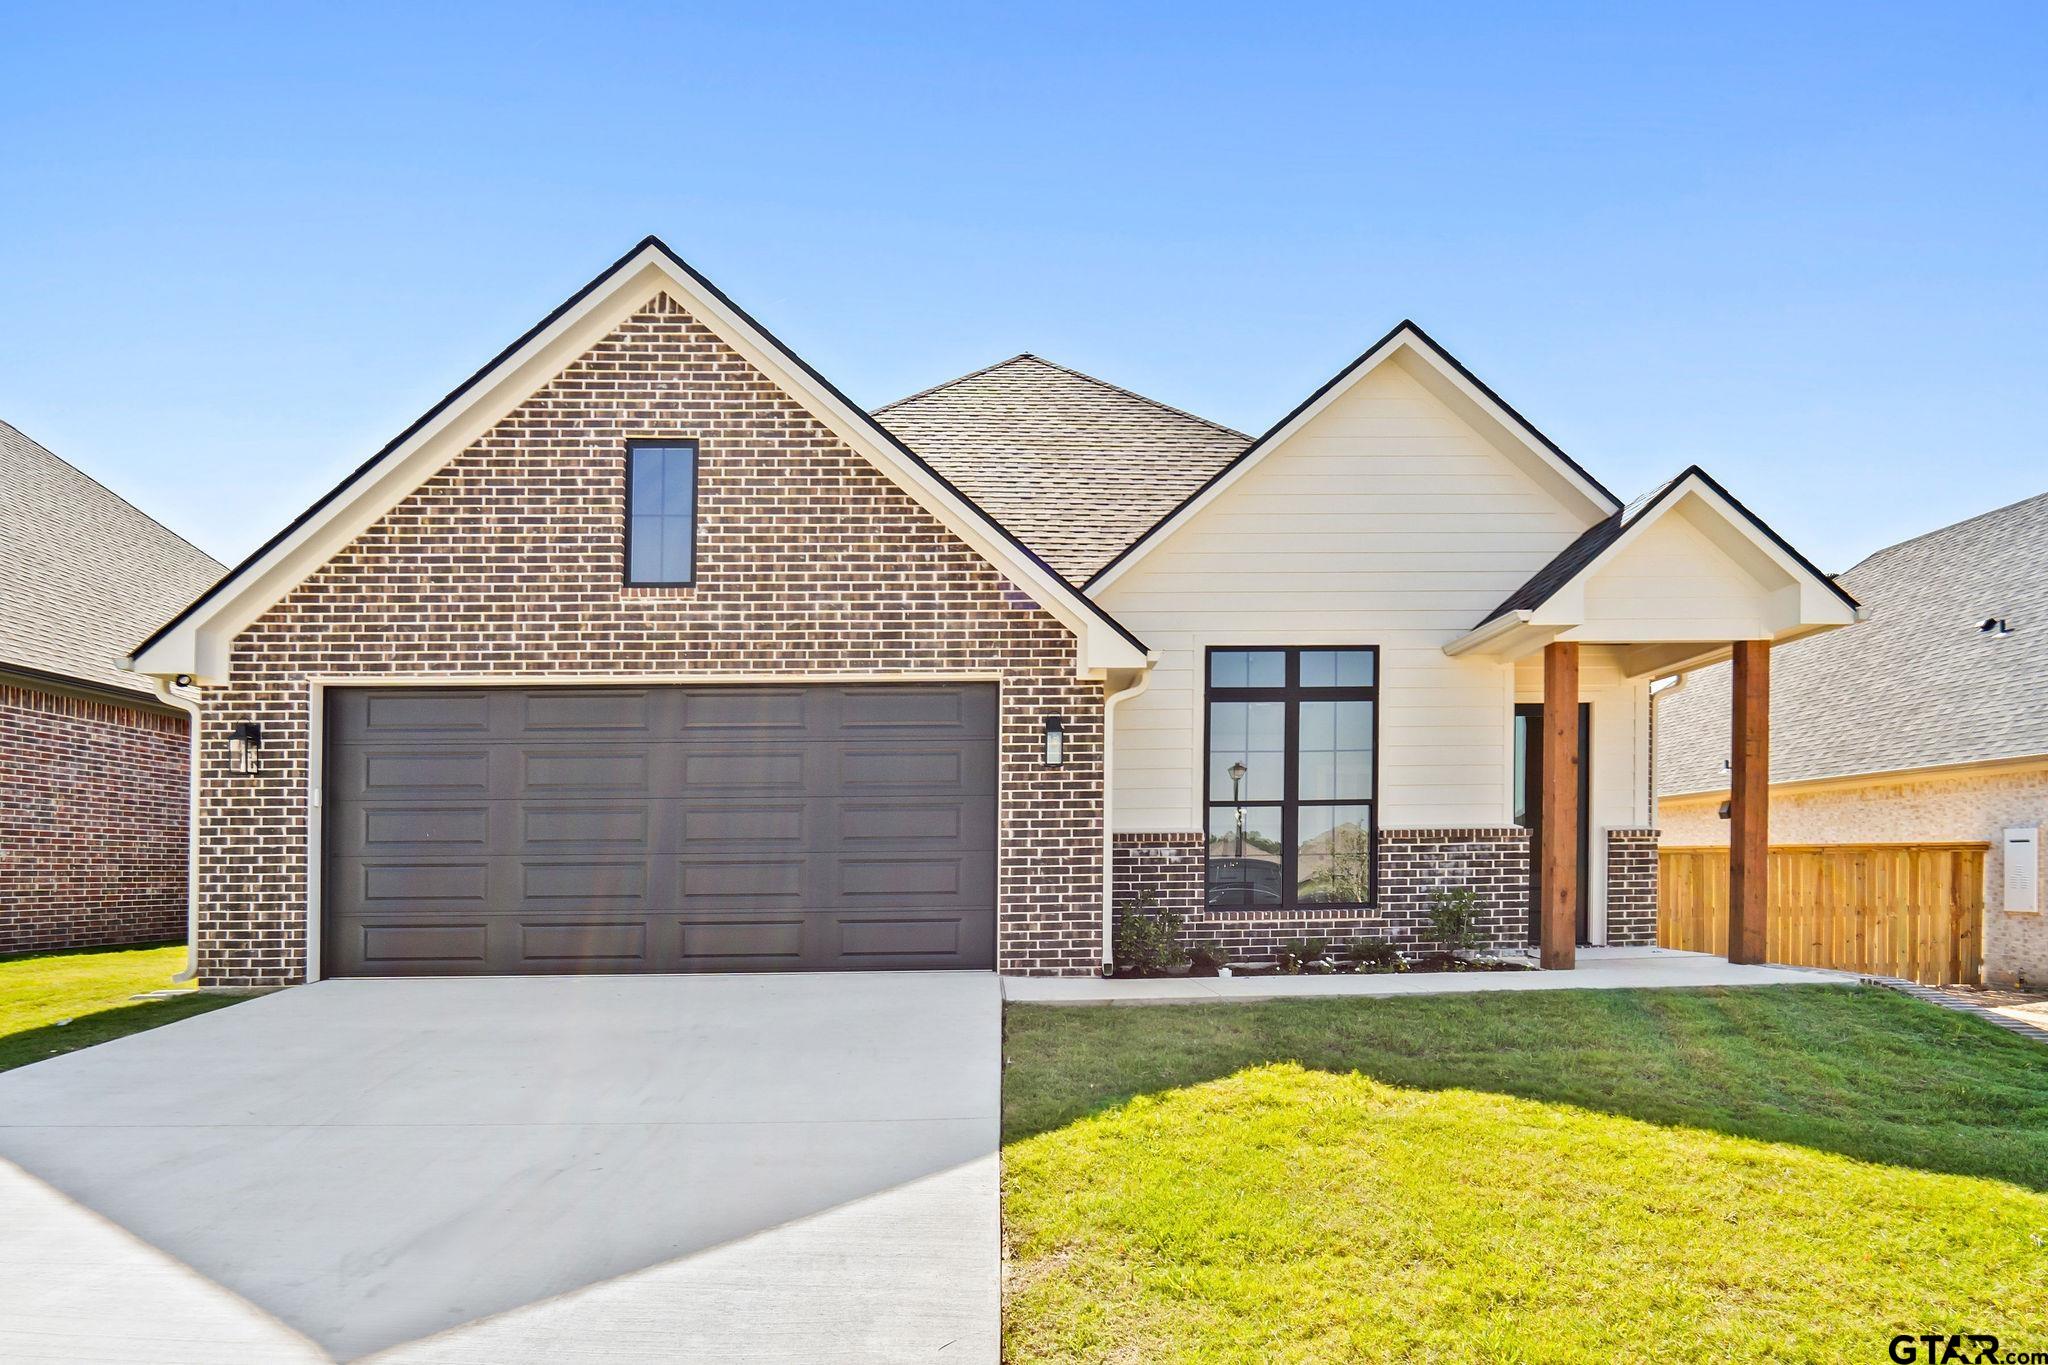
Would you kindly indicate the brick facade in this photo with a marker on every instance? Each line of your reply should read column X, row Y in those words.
column 93, row 805
column 508, row 561
column 1413, row 864
column 1631, row 888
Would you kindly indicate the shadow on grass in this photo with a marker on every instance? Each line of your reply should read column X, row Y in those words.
column 1861, row 1072
column 54, row 1040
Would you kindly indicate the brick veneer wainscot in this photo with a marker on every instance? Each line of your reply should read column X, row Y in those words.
column 1631, row 888
column 1413, row 864
column 93, row 807
column 508, row 561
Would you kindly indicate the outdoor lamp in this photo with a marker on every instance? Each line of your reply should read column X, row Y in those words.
column 245, row 743
column 1055, row 741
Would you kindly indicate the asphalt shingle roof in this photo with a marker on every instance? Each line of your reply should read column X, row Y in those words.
column 1075, row 467
column 83, row 573
column 1916, row 685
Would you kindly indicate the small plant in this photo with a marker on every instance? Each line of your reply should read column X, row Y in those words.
column 1148, row 938
column 1454, row 919
column 1373, row 955
column 1299, row 955
column 1208, row 959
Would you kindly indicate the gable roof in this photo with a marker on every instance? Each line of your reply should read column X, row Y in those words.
column 1917, row 685
column 196, row 640
column 1075, row 465
column 82, row 570
column 1450, row 379
column 1593, row 544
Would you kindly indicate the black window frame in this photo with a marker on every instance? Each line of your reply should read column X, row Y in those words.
column 1292, row 694
column 633, row 448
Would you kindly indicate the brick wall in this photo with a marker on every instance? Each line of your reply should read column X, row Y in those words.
column 1631, row 888
column 1413, row 864
column 508, row 561
column 92, row 822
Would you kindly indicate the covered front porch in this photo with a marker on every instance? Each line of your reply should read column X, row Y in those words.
column 1684, row 578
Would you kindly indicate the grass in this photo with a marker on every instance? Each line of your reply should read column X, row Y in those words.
column 53, row 1003
column 1794, row 1173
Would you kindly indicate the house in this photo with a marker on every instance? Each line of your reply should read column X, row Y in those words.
column 94, row 795
column 646, row 649
column 1928, row 723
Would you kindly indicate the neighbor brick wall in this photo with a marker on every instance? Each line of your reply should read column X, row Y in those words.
column 92, row 822
column 1631, row 888
column 508, row 561
column 1413, row 864
column 1936, row 808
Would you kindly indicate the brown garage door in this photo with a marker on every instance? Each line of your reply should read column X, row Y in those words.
column 659, row 829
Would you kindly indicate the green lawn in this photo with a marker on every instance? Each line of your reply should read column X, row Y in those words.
column 1793, row 1173
column 52, row 1003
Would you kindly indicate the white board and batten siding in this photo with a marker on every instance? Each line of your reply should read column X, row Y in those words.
column 1386, row 521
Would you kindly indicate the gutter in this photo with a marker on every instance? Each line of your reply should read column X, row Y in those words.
column 1109, row 705
column 190, row 706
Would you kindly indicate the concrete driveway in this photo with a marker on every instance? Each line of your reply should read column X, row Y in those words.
column 510, row 1169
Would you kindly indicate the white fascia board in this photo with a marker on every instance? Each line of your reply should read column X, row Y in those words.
column 1818, row 604
column 1403, row 340
column 199, row 644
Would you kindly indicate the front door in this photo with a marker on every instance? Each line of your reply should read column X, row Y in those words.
column 1529, row 806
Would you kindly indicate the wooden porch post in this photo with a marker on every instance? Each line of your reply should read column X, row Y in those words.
column 1560, row 796
column 1749, row 804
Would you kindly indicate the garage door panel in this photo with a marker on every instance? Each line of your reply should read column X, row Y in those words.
column 412, row 827
column 660, row 829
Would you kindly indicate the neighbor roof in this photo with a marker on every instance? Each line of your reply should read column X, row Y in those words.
column 1916, row 685
column 1073, row 465
column 85, row 574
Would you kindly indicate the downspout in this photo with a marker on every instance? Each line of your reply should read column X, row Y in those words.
column 1109, row 706
column 190, row 706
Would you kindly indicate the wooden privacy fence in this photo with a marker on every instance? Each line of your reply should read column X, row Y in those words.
column 1907, row 910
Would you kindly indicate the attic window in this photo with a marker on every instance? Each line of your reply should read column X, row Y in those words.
column 661, row 513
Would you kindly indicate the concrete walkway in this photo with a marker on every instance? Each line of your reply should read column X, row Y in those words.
column 788, row 1168
column 1598, row 969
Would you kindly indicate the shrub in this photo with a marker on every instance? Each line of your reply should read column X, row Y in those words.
column 1374, row 955
column 1209, row 958
column 1299, row 955
column 1454, row 918
column 1148, row 938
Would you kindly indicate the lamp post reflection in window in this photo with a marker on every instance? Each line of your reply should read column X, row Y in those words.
column 1237, row 772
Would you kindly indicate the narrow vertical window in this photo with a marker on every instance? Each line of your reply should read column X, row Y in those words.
column 661, row 513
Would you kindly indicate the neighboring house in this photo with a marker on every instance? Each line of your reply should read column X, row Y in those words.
column 1928, row 723
column 647, row 650
column 93, row 789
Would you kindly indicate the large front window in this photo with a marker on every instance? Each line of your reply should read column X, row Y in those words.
column 1291, row 777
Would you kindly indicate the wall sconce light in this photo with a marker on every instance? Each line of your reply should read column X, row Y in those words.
column 245, row 745
column 1055, row 741
column 1727, row 811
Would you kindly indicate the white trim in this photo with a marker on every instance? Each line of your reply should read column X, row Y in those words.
column 1562, row 615
column 1109, row 704
column 190, row 706
column 316, row 749
column 199, row 645
column 1420, row 358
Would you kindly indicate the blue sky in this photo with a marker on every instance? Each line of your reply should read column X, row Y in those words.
column 240, row 248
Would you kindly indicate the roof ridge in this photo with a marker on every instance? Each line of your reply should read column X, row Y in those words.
column 4, row 423
column 1132, row 393
column 1077, row 374
column 1944, row 530
column 956, row 379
